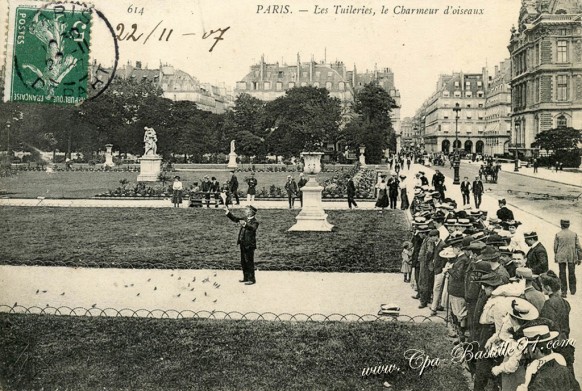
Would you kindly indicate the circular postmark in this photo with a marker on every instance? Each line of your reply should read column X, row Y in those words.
column 53, row 59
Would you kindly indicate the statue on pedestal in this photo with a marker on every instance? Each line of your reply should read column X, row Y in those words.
column 232, row 146
column 150, row 140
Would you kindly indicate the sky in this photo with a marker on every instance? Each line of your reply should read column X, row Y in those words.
column 417, row 47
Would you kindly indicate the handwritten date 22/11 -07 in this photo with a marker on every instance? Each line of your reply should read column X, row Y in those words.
column 134, row 35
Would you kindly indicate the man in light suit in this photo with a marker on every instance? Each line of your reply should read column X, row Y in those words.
column 566, row 245
column 247, row 240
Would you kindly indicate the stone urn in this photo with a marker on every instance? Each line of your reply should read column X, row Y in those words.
column 312, row 161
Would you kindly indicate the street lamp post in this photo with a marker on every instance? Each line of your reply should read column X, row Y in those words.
column 456, row 156
column 515, row 154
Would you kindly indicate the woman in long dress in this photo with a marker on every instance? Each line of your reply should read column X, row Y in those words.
column 382, row 200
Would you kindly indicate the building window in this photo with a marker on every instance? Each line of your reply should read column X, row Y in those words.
column 303, row 84
column 303, row 74
column 562, row 55
column 318, row 74
column 562, row 121
column 456, row 84
column 468, row 94
column 562, row 88
column 241, row 85
column 479, row 84
column 480, row 94
column 446, row 94
column 457, row 94
column 291, row 84
column 342, row 86
column 563, row 32
column 316, row 84
column 280, row 74
column 480, row 105
column 328, row 85
column 468, row 84
column 267, row 85
column 279, row 86
column 329, row 75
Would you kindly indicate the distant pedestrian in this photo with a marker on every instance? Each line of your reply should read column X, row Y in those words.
column 252, row 190
column 351, row 193
column 406, row 268
column 466, row 191
column 567, row 250
column 300, row 184
column 404, row 202
column 177, row 188
column 535, row 166
column 233, row 187
column 393, row 190
column 215, row 189
column 408, row 163
column 291, row 189
column 382, row 198
column 478, row 191
column 557, row 166
column 206, row 188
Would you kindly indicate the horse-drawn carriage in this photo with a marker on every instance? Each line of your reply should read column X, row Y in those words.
column 490, row 172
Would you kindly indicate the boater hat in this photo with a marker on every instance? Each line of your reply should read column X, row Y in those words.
column 537, row 334
column 524, row 273
column 523, row 310
column 530, row 235
column 448, row 253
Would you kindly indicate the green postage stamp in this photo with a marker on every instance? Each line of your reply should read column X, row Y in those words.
column 47, row 52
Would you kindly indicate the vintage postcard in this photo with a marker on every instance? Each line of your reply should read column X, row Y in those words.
column 305, row 195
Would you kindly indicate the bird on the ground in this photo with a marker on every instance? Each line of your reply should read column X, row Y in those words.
column 44, row 291
column 38, row 290
column 194, row 279
column 179, row 294
column 215, row 301
column 149, row 279
column 62, row 294
column 155, row 288
column 137, row 294
column 94, row 305
column 191, row 289
column 205, row 294
column 179, row 278
column 194, row 299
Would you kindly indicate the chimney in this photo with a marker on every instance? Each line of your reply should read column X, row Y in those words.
column 138, row 64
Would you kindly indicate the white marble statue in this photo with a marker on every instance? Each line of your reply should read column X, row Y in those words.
column 150, row 140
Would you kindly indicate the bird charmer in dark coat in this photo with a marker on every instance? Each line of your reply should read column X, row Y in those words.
column 247, row 240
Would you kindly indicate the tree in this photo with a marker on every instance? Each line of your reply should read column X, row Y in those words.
column 120, row 114
column 558, row 139
column 306, row 118
column 372, row 126
column 246, row 124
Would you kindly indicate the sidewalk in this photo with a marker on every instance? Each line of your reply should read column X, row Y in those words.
column 564, row 177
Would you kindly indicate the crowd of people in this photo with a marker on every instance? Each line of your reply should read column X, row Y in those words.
column 491, row 280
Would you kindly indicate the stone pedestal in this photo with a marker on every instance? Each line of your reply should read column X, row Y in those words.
column 232, row 160
column 150, row 167
column 312, row 216
column 109, row 155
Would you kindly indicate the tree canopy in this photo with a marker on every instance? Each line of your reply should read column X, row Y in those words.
column 562, row 138
column 372, row 126
column 304, row 119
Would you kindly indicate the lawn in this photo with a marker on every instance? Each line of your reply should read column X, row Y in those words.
column 79, row 353
column 79, row 184
column 362, row 241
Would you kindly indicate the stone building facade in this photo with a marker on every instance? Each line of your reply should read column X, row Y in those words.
column 546, row 56
column 268, row 81
column 498, row 111
column 179, row 85
column 483, row 123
